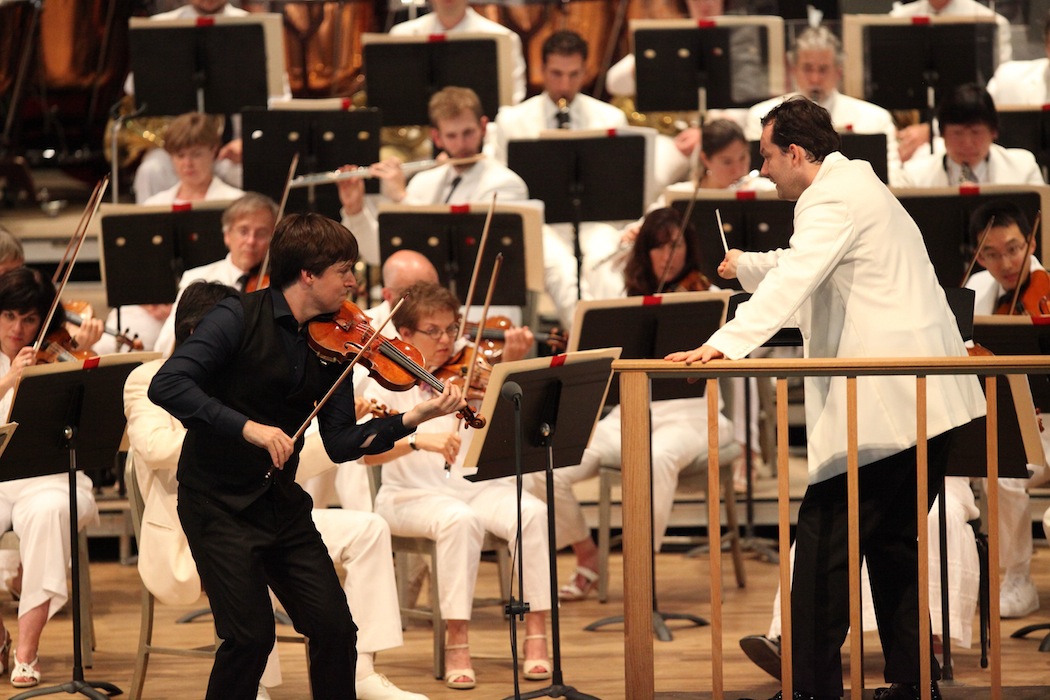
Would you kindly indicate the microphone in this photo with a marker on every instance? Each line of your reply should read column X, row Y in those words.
column 511, row 391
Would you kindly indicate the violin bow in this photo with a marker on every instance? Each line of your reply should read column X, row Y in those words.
column 477, row 341
column 1028, row 270
column 677, row 237
column 74, row 250
column 346, row 372
column 265, row 267
column 977, row 253
column 73, row 238
column 477, row 266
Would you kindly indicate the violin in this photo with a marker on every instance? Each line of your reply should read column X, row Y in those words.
column 74, row 314
column 1033, row 298
column 493, row 336
column 393, row 363
column 694, row 281
column 455, row 371
column 60, row 347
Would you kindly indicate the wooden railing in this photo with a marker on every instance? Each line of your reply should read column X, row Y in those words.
column 637, row 508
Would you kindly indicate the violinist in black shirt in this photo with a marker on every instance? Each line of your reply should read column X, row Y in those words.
column 242, row 383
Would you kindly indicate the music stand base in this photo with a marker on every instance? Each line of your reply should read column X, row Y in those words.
column 660, row 629
column 1024, row 631
column 86, row 688
column 556, row 690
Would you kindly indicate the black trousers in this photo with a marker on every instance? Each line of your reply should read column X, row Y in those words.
column 273, row 542
column 888, row 540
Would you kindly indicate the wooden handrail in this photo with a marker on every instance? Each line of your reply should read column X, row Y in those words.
column 637, row 508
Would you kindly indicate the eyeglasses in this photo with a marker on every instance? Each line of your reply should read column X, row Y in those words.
column 995, row 257
column 435, row 333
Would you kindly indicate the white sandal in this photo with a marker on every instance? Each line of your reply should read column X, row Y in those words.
column 572, row 591
column 453, row 674
column 25, row 675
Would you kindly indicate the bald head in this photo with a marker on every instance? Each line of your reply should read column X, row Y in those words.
column 403, row 269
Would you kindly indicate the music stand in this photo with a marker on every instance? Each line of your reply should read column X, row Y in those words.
column 869, row 147
column 586, row 175
column 71, row 413
column 721, row 62
column 649, row 327
column 404, row 71
column 146, row 249
column 556, row 406
column 449, row 236
column 324, row 140
column 911, row 63
column 218, row 65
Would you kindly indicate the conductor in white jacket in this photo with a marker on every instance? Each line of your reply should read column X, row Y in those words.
column 858, row 282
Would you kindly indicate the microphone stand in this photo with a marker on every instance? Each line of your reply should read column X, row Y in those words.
column 515, row 610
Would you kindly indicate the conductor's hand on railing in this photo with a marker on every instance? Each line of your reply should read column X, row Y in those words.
column 703, row 354
column 727, row 268
column 270, row 438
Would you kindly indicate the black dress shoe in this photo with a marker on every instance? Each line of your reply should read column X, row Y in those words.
column 907, row 691
column 796, row 695
column 764, row 652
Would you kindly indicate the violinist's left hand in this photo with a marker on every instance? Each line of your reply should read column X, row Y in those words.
column 449, row 401
column 90, row 330
column 362, row 407
column 516, row 343
column 703, row 354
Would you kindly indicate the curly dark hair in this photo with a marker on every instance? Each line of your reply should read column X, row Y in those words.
column 804, row 123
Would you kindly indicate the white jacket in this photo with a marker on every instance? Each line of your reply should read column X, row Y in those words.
column 858, row 282
column 1006, row 166
column 536, row 114
column 1021, row 83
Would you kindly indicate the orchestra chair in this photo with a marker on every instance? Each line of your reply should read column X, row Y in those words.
column 9, row 540
column 425, row 547
column 146, row 647
column 691, row 479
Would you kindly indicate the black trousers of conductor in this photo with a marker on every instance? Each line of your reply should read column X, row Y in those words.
column 273, row 542
column 888, row 540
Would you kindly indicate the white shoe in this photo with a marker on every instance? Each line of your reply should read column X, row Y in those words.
column 262, row 694
column 1017, row 597
column 378, row 687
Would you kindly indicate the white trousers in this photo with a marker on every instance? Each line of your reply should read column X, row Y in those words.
column 37, row 509
column 676, row 443
column 964, row 572
column 457, row 522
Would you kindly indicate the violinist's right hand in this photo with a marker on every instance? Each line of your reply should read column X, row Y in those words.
column 727, row 268
column 448, row 401
column 445, row 444
column 26, row 357
column 351, row 192
column 270, row 438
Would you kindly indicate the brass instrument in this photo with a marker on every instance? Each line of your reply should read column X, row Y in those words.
column 138, row 135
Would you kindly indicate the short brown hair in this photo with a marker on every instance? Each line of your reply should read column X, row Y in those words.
column 192, row 129
column 11, row 248
column 249, row 203
column 423, row 299
column 308, row 242
column 451, row 102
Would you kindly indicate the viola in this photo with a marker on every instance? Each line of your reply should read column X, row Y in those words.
column 1033, row 299
column 74, row 314
column 393, row 363
column 493, row 336
column 455, row 371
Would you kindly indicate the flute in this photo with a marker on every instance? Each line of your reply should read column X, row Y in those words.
column 410, row 168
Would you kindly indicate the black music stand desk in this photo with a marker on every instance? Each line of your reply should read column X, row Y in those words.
column 553, row 411
column 145, row 250
column 218, row 65
column 404, row 71
column 449, row 236
column 72, row 418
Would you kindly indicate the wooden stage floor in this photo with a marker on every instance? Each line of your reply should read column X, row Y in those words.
column 593, row 661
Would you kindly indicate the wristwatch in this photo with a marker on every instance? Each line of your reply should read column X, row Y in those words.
column 412, row 441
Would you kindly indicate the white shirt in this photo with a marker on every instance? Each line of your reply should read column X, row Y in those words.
column 850, row 279
column 473, row 23
column 960, row 8
column 217, row 191
column 536, row 114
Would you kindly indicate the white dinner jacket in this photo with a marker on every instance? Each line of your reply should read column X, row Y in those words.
column 1021, row 83
column 856, row 260
column 527, row 120
column 1006, row 166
